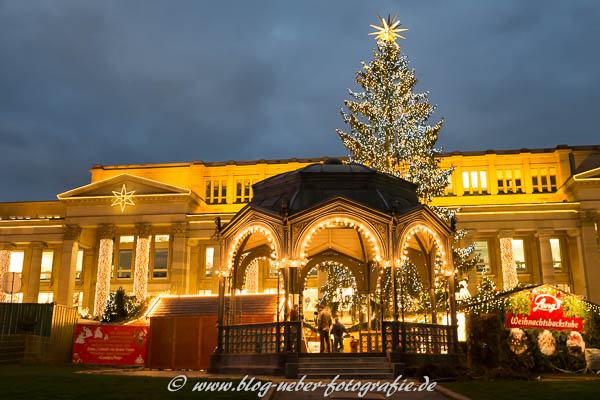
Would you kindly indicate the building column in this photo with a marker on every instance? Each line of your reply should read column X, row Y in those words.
column 142, row 258
column 576, row 263
column 472, row 274
column 509, row 270
column 194, row 273
column 106, row 234
column 5, row 249
column 88, row 280
column 68, row 262
column 32, row 290
column 547, row 266
column 178, row 267
column 589, row 255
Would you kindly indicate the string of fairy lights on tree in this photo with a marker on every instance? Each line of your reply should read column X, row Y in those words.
column 389, row 130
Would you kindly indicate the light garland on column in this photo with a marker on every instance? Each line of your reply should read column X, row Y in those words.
column 140, row 279
column 103, row 276
column 342, row 223
column 509, row 270
column 4, row 265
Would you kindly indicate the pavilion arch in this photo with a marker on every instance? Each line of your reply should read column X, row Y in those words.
column 262, row 252
column 376, row 244
column 354, row 266
column 241, row 238
column 420, row 230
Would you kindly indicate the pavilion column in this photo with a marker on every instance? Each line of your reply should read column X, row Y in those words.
column 32, row 289
column 106, row 234
column 509, row 269
column 590, row 255
column 547, row 266
column 178, row 270
column 142, row 256
column 5, row 249
column 68, row 263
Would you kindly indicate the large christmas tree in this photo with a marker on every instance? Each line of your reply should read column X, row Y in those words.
column 390, row 129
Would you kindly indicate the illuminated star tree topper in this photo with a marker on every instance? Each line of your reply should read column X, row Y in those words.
column 389, row 30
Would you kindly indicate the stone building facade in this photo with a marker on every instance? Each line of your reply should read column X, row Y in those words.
column 150, row 228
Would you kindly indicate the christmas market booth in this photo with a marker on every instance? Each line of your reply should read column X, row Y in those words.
column 536, row 328
column 332, row 236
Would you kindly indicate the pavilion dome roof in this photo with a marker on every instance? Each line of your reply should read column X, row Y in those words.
column 316, row 183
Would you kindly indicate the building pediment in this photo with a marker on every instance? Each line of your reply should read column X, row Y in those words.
column 124, row 184
column 593, row 174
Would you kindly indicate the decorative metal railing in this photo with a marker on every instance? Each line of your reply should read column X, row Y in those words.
column 418, row 338
column 370, row 341
column 271, row 337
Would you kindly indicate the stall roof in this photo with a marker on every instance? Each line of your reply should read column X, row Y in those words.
column 179, row 306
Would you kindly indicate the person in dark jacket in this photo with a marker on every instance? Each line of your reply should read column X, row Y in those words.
column 338, row 336
column 324, row 326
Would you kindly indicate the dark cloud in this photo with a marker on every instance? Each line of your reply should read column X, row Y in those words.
column 118, row 82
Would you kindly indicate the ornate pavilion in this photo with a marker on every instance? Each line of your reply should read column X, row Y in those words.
column 350, row 215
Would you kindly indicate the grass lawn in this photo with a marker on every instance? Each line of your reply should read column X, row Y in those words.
column 62, row 382
column 529, row 390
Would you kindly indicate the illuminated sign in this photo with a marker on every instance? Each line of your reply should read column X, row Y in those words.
column 546, row 312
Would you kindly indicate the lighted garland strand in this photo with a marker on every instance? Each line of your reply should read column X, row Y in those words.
column 103, row 276
column 140, row 278
column 4, row 266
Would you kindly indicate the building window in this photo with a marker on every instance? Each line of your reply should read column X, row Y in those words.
column 564, row 287
column 47, row 259
column 556, row 254
column 483, row 256
column 124, row 266
column 78, row 300
column 274, row 272
column 449, row 188
column 209, row 258
column 45, row 297
column 509, row 181
column 79, row 265
column 474, row 182
column 518, row 248
column 161, row 238
column 126, row 239
column 216, row 191
column 16, row 262
column 243, row 191
column 543, row 180
column 161, row 257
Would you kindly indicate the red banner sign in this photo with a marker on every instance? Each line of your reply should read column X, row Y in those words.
column 110, row 344
column 546, row 312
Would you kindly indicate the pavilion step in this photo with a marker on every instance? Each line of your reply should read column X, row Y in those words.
column 355, row 375
column 327, row 364
column 344, row 371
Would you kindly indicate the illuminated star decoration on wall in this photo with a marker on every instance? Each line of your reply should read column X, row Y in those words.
column 389, row 30
column 123, row 198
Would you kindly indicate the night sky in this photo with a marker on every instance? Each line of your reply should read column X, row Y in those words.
column 126, row 82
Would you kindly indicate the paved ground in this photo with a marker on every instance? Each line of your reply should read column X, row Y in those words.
column 273, row 394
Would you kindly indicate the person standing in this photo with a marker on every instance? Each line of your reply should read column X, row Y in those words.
column 324, row 326
column 338, row 336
